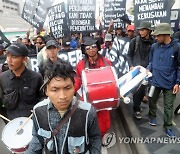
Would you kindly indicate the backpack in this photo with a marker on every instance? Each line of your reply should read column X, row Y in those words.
column 137, row 43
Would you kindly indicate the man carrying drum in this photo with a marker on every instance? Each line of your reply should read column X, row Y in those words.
column 19, row 86
column 93, row 60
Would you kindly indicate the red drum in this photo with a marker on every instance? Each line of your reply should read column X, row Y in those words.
column 17, row 142
column 100, row 88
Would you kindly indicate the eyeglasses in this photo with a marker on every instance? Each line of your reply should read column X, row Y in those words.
column 38, row 42
column 91, row 46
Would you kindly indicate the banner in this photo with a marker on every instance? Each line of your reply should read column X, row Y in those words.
column 117, row 55
column 81, row 15
column 73, row 57
column 114, row 10
column 58, row 21
column 154, row 11
column 35, row 11
column 3, row 40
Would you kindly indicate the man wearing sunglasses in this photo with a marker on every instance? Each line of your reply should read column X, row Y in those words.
column 93, row 60
column 39, row 43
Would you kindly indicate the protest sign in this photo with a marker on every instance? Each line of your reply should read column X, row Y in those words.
column 58, row 21
column 81, row 15
column 114, row 10
column 73, row 57
column 154, row 11
column 3, row 40
column 35, row 11
column 117, row 55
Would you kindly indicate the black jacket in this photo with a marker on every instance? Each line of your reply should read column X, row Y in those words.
column 141, row 55
column 20, row 94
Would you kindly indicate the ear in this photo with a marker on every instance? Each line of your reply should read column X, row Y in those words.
column 45, row 91
column 25, row 59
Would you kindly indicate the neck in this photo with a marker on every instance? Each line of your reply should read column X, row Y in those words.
column 19, row 71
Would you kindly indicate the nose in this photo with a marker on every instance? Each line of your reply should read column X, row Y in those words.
column 9, row 59
column 62, row 94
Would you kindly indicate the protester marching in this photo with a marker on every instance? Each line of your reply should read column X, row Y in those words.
column 61, row 85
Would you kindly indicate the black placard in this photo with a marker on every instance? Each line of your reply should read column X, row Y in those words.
column 58, row 21
column 114, row 10
column 35, row 11
column 3, row 40
column 175, row 17
column 81, row 15
column 154, row 11
column 117, row 55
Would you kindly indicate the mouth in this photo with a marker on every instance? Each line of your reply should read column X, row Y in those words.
column 10, row 65
column 62, row 103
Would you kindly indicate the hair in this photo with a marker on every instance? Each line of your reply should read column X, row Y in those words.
column 39, row 36
column 25, row 38
column 61, row 69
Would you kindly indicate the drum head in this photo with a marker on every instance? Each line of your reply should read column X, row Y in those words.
column 15, row 140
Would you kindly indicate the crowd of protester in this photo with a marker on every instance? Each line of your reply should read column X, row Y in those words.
column 146, row 48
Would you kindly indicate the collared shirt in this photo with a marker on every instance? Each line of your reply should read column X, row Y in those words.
column 28, row 86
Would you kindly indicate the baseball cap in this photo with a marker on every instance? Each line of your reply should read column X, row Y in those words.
column 108, row 37
column 66, row 42
column 18, row 49
column 51, row 43
column 131, row 27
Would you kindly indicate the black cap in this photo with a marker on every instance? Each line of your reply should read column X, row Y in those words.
column 18, row 49
column 51, row 43
column 90, row 41
column 66, row 42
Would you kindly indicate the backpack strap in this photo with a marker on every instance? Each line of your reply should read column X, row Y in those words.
column 63, row 121
column 136, row 43
column 175, row 48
